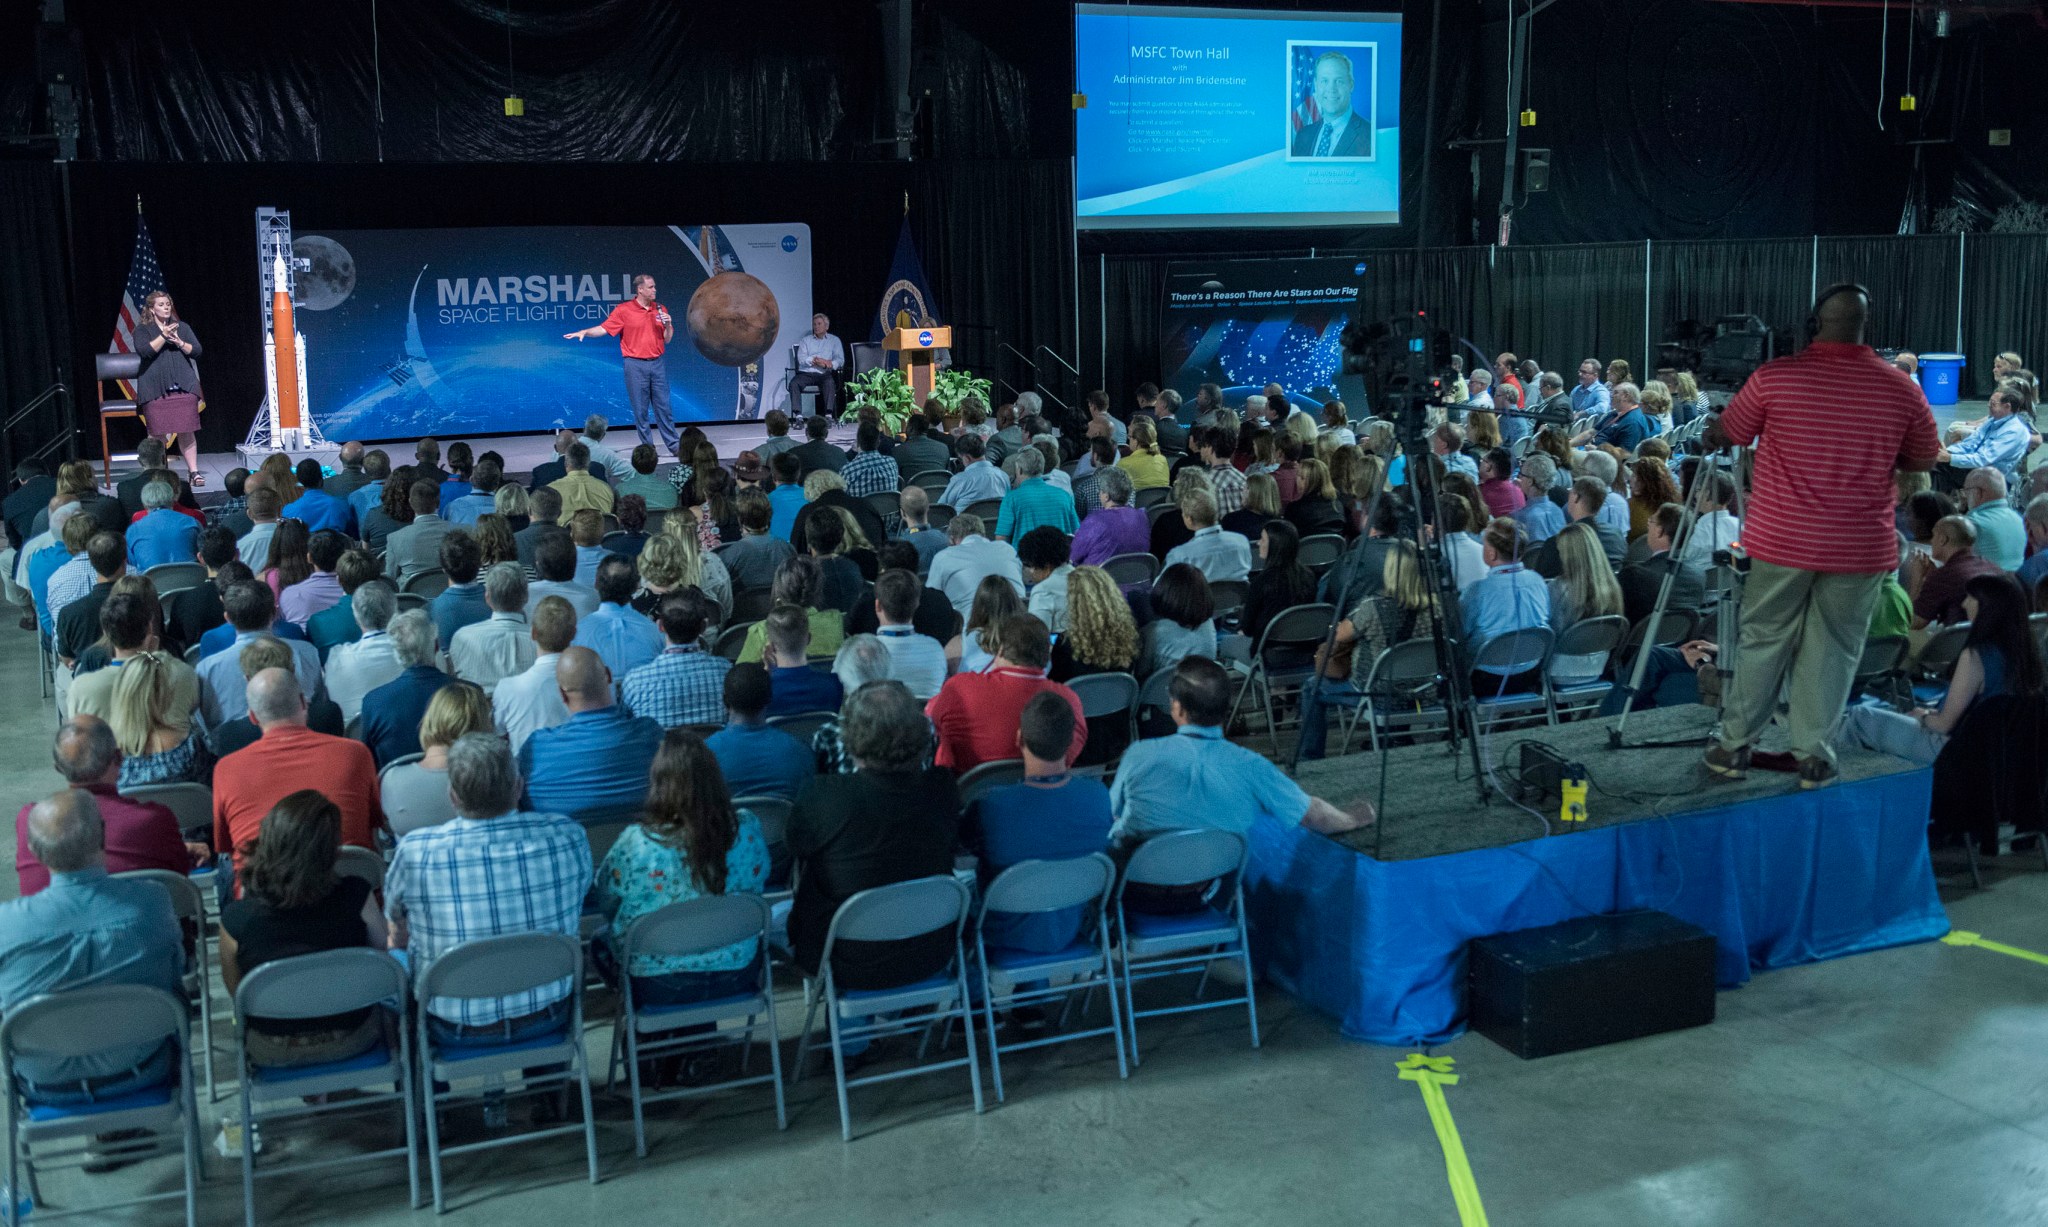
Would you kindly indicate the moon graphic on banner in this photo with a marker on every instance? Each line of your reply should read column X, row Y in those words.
column 331, row 279
column 733, row 319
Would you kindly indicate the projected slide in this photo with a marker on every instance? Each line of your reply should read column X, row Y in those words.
column 1231, row 117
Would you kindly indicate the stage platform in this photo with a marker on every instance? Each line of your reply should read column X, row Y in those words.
column 1779, row 876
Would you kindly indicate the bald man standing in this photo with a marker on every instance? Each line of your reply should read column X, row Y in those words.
column 593, row 766
column 87, row 928
column 1818, row 529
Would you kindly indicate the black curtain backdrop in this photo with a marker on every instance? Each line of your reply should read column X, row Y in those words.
column 1769, row 278
column 1913, row 284
column 35, row 339
column 2005, row 303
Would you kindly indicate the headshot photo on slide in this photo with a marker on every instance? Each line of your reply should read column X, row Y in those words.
column 1331, row 89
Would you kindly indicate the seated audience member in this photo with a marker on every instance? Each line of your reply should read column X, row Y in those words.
column 754, row 559
column 416, row 794
column 1053, row 815
column 288, row 563
column 554, row 560
column 817, row 452
column 1588, row 495
column 355, row 669
column 632, row 535
column 392, row 712
column 1315, row 508
column 1216, row 554
column 151, row 705
column 1509, row 598
column 580, row 490
column 501, row 645
column 2001, row 537
column 1613, row 509
column 293, row 903
column 78, row 621
column 254, row 545
column 890, row 820
column 480, row 499
column 88, row 928
column 544, row 521
column 977, row 481
column 337, row 624
column 1114, row 527
column 861, row 659
column 919, row 660
column 1641, row 581
column 1401, row 607
column 623, row 638
column 1101, row 635
column 249, row 783
column 922, row 451
column 1540, row 518
column 462, row 603
column 786, row 497
column 691, row 841
column 976, row 713
column 162, row 535
column 1145, row 463
column 592, row 766
column 188, row 615
column 2000, row 657
column 973, row 650
column 1650, row 488
column 392, row 512
column 1585, row 588
column 128, row 623
column 915, row 509
column 586, row 531
column 136, row 834
column 787, row 643
column 315, row 507
column 417, row 546
column 870, row 470
column 323, row 715
column 494, row 870
column 1281, row 584
column 1186, row 623
column 1260, row 506
column 839, row 578
column 1999, row 444
column 1717, row 527
column 757, row 760
column 799, row 582
column 321, row 588
column 250, row 609
column 657, row 493
column 683, row 683
column 1938, row 580
column 1042, row 553
column 1200, row 779
column 1503, row 497
column 959, row 569
column 529, row 700
column 934, row 615
column 1034, row 502
column 825, row 493
column 2036, row 524
column 369, row 494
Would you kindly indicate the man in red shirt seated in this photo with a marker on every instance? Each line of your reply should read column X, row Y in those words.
column 140, row 834
column 250, row 782
column 977, row 714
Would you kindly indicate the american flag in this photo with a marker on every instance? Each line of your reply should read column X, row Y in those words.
column 1303, row 74
column 144, row 277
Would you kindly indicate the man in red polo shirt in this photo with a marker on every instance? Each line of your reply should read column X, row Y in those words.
column 250, row 782
column 1830, row 426
column 977, row 714
column 644, row 329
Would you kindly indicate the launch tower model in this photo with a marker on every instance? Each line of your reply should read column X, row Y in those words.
column 284, row 423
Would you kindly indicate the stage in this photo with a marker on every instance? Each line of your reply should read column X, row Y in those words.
column 1779, row 876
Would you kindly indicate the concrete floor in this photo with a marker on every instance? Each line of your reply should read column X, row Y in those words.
column 1900, row 1087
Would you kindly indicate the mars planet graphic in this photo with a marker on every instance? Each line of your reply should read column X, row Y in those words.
column 733, row 319
column 332, row 278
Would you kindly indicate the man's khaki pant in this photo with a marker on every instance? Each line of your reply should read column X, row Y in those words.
column 1804, row 630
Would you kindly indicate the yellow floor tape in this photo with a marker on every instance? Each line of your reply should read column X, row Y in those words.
column 1433, row 1074
column 1962, row 937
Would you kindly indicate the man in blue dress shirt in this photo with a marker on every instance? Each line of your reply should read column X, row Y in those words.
column 978, row 480
column 593, row 767
column 161, row 535
column 370, row 495
column 621, row 636
column 1540, row 519
column 1508, row 598
column 2000, row 443
column 758, row 761
column 787, row 498
column 1590, row 396
column 315, row 508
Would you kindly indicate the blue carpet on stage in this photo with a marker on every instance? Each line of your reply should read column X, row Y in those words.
column 1778, row 881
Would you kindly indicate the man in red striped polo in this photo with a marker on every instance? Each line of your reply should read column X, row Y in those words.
column 1830, row 425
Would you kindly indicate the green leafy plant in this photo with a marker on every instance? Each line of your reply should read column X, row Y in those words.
column 887, row 391
column 953, row 385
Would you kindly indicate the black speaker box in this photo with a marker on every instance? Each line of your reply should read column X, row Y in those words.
column 1591, row 981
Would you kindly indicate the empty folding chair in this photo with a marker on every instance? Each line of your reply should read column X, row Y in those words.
column 733, row 640
column 897, row 913
column 429, row 583
column 773, row 815
column 192, row 803
column 1107, row 700
column 1151, row 714
column 502, row 967
column 188, row 904
column 1153, row 496
column 704, row 925
column 1881, row 664
column 1402, row 694
column 102, row 1021
column 988, row 509
column 1040, row 892
column 885, row 504
column 804, row 725
column 1000, row 773
column 1516, row 651
column 328, row 984
column 934, row 481
column 1320, row 550
column 353, row 862
column 1158, row 944
column 1229, row 596
column 1281, row 663
column 1129, row 570
column 1578, row 645
column 175, row 577
column 751, row 605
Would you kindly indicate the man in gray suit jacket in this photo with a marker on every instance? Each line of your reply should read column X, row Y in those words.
column 417, row 546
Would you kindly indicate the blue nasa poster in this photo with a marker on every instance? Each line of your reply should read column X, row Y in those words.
column 460, row 331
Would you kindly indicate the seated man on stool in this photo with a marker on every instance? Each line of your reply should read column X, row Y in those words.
column 819, row 359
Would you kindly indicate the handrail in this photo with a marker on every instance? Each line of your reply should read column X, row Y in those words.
column 1073, row 370
column 55, row 389
column 1002, row 346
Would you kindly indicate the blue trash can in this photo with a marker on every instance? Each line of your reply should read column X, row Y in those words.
column 1941, row 377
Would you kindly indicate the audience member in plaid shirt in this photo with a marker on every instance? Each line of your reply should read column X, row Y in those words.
column 490, row 871
column 870, row 472
column 685, row 684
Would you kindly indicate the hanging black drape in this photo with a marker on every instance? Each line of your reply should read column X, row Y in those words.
column 1563, row 304
column 1126, row 353
column 1769, row 278
column 1914, row 285
column 2005, row 303
column 35, row 335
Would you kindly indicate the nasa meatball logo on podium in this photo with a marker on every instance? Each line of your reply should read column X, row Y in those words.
column 459, row 331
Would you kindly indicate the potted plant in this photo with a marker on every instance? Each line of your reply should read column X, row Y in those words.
column 887, row 391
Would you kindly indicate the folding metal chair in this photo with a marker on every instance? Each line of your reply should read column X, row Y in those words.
column 1155, row 945
column 429, row 583
column 1882, row 662
column 354, row 862
column 175, row 577
column 773, row 815
column 501, row 967
column 1513, row 651
column 998, row 773
column 1105, row 696
column 84, row 1022
column 934, row 481
column 1229, row 597
column 733, row 640
column 192, row 803
column 901, row 911
column 1045, row 888
column 188, row 904
column 411, row 600
column 988, row 509
column 1132, row 569
column 1676, row 626
column 2038, row 623
column 318, row 986
column 1588, row 637
column 1152, row 496
column 886, row 504
column 1320, row 551
column 1402, row 694
column 1153, row 696
column 695, row 926
column 804, row 725
column 1298, row 627
column 1936, row 661
column 939, row 515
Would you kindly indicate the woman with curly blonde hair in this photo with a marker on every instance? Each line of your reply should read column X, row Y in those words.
column 671, row 560
column 1101, row 634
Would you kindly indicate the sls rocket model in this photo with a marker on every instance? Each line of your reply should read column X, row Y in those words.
column 284, row 352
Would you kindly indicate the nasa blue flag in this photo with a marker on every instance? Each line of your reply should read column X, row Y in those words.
column 908, row 293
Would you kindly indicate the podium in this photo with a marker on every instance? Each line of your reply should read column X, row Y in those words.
column 916, row 348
